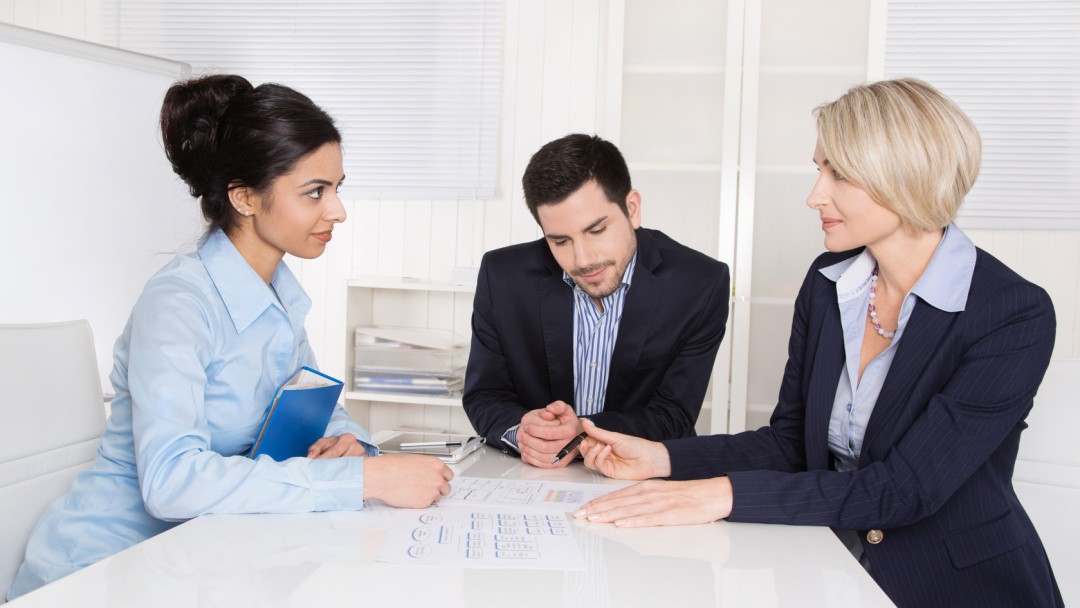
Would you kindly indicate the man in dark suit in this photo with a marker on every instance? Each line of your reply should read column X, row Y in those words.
column 600, row 318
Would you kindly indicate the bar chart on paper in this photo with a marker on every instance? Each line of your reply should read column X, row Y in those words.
column 542, row 495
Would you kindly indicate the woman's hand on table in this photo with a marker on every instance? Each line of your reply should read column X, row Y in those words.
column 662, row 503
column 406, row 480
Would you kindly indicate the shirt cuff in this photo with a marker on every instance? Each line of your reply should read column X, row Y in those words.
column 338, row 484
column 339, row 425
column 510, row 437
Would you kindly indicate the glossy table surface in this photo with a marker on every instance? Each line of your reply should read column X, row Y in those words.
column 315, row 560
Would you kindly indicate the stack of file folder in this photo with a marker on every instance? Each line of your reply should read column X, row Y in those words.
column 412, row 361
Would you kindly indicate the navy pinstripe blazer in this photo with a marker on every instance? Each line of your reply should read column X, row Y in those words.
column 935, row 473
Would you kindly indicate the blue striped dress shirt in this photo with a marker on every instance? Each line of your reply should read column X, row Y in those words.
column 595, row 334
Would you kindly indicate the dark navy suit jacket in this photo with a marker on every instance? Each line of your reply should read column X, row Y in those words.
column 935, row 473
column 522, row 355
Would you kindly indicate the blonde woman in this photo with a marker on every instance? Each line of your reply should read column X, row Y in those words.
column 913, row 360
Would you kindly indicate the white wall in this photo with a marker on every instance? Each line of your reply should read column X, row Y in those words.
column 82, row 231
column 73, row 18
column 554, row 52
column 555, row 78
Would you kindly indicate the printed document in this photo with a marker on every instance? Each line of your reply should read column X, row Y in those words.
column 485, row 538
column 473, row 492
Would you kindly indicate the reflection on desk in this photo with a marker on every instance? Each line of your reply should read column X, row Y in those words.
column 304, row 560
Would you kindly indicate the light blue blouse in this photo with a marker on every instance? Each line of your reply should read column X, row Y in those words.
column 944, row 285
column 205, row 349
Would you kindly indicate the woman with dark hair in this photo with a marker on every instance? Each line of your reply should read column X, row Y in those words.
column 913, row 360
column 212, row 337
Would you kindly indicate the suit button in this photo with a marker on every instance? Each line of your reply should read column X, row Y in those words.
column 874, row 536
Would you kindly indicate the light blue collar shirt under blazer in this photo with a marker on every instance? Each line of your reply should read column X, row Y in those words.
column 944, row 285
column 206, row 347
column 595, row 334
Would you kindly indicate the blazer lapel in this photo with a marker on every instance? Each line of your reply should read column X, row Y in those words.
column 634, row 329
column 922, row 337
column 557, row 326
column 636, row 324
column 825, row 372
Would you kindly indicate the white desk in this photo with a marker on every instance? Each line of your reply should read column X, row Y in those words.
column 303, row 560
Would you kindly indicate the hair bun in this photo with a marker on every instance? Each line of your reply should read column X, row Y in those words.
column 190, row 115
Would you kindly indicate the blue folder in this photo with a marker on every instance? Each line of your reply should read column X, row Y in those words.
column 298, row 415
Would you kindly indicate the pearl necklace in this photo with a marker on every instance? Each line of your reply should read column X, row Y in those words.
column 888, row 335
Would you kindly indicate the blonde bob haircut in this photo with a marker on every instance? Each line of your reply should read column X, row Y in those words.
column 911, row 148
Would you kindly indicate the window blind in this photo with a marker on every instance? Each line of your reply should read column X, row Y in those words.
column 1014, row 67
column 414, row 85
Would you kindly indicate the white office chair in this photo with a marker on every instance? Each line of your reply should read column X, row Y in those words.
column 1047, row 475
column 51, row 418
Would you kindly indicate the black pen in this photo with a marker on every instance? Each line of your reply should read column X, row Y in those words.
column 429, row 444
column 570, row 446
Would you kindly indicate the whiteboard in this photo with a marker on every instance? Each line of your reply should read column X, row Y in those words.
column 89, row 206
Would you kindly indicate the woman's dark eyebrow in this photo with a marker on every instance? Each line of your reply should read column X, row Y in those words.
column 317, row 180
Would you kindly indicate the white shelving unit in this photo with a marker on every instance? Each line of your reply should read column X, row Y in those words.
column 408, row 285
column 453, row 401
column 782, row 84
column 678, row 60
column 716, row 125
column 404, row 302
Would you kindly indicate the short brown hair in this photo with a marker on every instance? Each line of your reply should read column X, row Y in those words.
column 562, row 166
